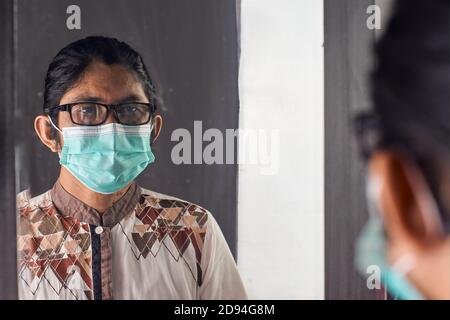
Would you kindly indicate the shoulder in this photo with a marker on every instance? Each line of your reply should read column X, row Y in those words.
column 175, row 210
column 28, row 206
column 37, row 216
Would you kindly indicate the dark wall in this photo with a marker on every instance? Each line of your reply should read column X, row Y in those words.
column 348, row 59
column 8, row 287
column 191, row 51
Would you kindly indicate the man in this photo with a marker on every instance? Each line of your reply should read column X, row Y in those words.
column 97, row 234
column 406, row 142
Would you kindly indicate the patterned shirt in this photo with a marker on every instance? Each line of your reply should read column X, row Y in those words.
column 146, row 246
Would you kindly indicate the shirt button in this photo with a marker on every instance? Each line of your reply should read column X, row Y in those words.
column 98, row 230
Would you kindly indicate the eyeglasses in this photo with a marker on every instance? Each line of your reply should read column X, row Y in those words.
column 86, row 113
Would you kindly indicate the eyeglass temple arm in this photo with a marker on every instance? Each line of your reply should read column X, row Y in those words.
column 62, row 107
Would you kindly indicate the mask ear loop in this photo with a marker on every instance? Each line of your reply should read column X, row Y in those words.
column 404, row 264
column 51, row 121
column 151, row 132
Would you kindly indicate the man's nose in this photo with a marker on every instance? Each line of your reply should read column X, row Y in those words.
column 111, row 117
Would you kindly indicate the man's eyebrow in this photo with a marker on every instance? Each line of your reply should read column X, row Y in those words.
column 130, row 98
column 86, row 98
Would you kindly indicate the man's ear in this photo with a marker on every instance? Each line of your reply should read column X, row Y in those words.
column 43, row 128
column 157, row 125
column 410, row 211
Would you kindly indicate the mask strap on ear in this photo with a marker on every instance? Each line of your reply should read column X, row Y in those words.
column 50, row 118
column 404, row 264
column 152, row 126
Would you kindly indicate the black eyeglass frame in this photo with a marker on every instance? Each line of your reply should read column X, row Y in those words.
column 68, row 107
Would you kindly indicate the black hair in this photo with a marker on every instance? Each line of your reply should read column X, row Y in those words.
column 68, row 65
column 411, row 87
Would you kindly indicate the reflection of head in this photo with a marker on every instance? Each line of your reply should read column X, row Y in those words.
column 407, row 141
column 69, row 64
column 411, row 86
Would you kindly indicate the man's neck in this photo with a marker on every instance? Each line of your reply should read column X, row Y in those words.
column 98, row 201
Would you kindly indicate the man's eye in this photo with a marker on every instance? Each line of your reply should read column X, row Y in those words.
column 130, row 109
column 88, row 110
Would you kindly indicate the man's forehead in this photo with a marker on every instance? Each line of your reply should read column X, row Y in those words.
column 105, row 83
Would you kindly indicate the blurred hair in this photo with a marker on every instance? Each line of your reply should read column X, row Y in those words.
column 411, row 87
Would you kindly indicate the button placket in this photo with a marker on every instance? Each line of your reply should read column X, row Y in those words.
column 106, row 263
column 99, row 230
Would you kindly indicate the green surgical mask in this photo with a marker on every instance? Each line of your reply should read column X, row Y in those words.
column 371, row 251
column 106, row 158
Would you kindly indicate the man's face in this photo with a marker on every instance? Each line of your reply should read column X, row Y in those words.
column 109, row 84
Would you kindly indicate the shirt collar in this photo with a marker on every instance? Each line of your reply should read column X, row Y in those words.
column 68, row 205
